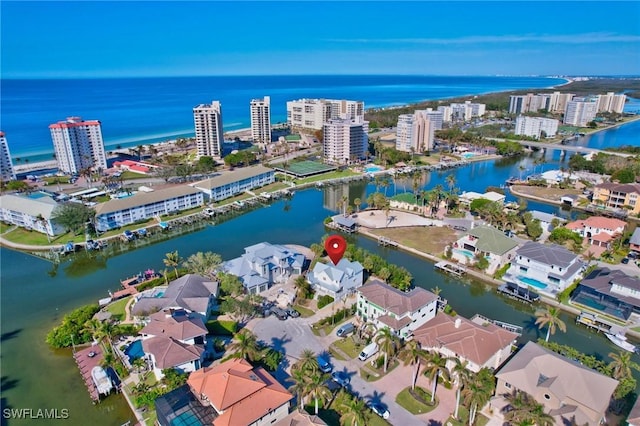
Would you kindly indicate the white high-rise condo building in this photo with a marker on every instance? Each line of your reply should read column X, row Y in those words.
column 313, row 113
column 461, row 112
column 611, row 102
column 436, row 118
column 78, row 145
column 6, row 165
column 414, row 132
column 580, row 111
column 345, row 141
column 535, row 126
column 261, row 120
column 446, row 113
column 209, row 132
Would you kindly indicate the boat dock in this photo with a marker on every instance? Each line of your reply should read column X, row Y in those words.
column 514, row 291
column 86, row 359
column 386, row 242
column 451, row 268
column 595, row 322
column 480, row 319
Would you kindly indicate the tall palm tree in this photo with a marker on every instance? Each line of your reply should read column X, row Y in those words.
column 550, row 318
column 353, row 412
column 462, row 376
column 307, row 362
column 245, row 345
column 357, row 202
column 436, row 367
column 94, row 327
column 316, row 387
column 172, row 260
column 475, row 394
column 299, row 387
column 451, row 182
column 621, row 364
column 203, row 264
column 412, row 354
column 386, row 341
column 415, row 183
column 523, row 409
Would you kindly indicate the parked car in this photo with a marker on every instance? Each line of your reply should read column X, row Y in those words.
column 625, row 260
column 345, row 329
column 459, row 228
column 292, row 312
column 324, row 365
column 340, row 378
column 379, row 409
column 280, row 313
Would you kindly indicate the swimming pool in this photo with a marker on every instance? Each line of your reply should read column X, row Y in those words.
column 159, row 294
column 464, row 252
column 468, row 155
column 532, row 282
column 372, row 168
column 134, row 350
column 36, row 195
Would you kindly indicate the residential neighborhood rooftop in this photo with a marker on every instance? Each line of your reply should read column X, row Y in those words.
column 492, row 240
column 42, row 206
column 548, row 254
column 143, row 198
column 394, row 300
column 231, row 177
column 176, row 324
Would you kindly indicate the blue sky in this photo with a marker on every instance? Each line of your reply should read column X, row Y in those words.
column 111, row 39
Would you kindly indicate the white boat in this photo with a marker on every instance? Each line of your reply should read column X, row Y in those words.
column 102, row 381
column 620, row 340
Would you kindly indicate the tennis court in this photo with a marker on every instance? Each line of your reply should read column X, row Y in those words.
column 306, row 168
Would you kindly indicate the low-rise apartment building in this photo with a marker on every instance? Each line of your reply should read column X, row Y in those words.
column 236, row 182
column 618, row 196
column 30, row 212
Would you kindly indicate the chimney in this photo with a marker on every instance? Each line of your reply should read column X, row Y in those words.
column 457, row 323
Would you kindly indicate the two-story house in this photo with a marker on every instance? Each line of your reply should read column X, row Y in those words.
column 609, row 291
column 240, row 394
column 548, row 268
column 336, row 280
column 264, row 264
column 570, row 392
column 385, row 306
column 484, row 241
column 598, row 231
column 174, row 339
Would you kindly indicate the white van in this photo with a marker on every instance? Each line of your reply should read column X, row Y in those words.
column 369, row 351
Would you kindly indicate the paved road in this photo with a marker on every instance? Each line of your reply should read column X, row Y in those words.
column 294, row 335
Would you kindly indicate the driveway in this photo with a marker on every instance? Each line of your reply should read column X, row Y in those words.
column 292, row 336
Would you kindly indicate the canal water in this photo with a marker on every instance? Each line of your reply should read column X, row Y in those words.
column 36, row 293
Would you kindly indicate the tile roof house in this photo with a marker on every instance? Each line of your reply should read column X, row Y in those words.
column 486, row 241
column 567, row 390
column 336, row 280
column 549, row 268
column 610, row 291
column 30, row 213
column 264, row 264
column 180, row 403
column 190, row 292
column 480, row 343
column 301, row 418
column 598, row 230
column 402, row 312
column 240, row 394
column 174, row 339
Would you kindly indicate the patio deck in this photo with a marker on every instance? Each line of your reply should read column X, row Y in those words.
column 85, row 364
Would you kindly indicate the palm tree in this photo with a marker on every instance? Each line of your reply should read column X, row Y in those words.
column 621, row 364
column 299, row 378
column 550, row 318
column 172, row 260
column 462, row 376
column 436, row 367
column 451, row 182
column 307, row 362
column 353, row 412
column 412, row 354
column 357, row 202
column 94, row 327
column 523, row 409
column 316, row 387
column 386, row 341
column 477, row 392
column 203, row 263
column 245, row 345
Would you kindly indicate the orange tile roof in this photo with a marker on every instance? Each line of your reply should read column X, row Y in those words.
column 597, row 222
column 242, row 392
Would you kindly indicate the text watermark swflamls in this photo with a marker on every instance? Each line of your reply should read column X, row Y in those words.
column 36, row 413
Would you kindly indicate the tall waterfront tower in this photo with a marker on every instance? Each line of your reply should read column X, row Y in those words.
column 261, row 120
column 6, row 166
column 78, row 145
column 208, row 125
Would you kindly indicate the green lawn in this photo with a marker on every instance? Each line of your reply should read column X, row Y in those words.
column 406, row 400
column 326, row 176
column 4, row 227
column 131, row 175
column 463, row 414
column 117, row 308
column 25, row 236
column 304, row 312
column 348, row 346
column 225, row 328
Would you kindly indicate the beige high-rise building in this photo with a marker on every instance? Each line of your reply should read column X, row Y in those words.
column 414, row 132
column 617, row 103
column 6, row 165
column 78, row 145
column 209, row 131
column 345, row 141
column 580, row 112
column 261, row 120
column 313, row 113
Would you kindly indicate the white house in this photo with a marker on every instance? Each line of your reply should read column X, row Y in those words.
column 264, row 264
column 402, row 312
column 598, row 230
column 548, row 268
column 30, row 212
column 545, row 219
column 480, row 343
column 174, row 339
column 336, row 280
column 485, row 241
column 467, row 197
column 146, row 205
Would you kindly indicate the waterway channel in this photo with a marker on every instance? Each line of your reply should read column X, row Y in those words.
column 35, row 293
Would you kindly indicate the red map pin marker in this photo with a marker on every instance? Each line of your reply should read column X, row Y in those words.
column 335, row 246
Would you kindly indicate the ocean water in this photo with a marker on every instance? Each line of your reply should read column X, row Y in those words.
column 137, row 111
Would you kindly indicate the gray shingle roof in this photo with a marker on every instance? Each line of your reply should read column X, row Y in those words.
column 235, row 176
column 394, row 300
column 190, row 292
column 635, row 238
column 491, row 240
column 32, row 206
column 549, row 254
column 143, row 198
column 602, row 279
